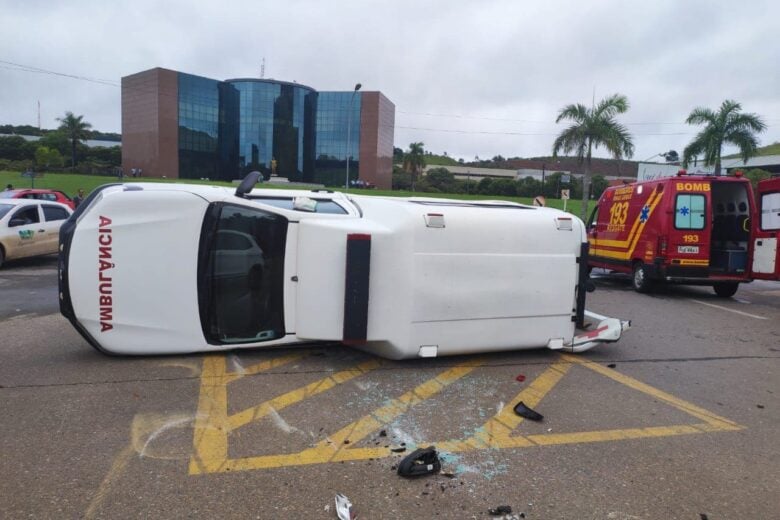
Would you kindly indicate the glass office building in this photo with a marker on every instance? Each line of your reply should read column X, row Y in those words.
column 181, row 125
column 276, row 128
column 338, row 122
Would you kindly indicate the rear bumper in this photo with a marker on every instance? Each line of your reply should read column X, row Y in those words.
column 599, row 329
column 693, row 275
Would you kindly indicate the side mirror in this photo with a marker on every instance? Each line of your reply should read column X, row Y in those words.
column 248, row 183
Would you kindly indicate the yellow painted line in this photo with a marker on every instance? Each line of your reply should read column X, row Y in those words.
column 254, row 413
column 333, row 448
column 263, row 366
column 708, row 417
column 213, row 423
column 496, row 432
column 552, row 439
column 210, row 445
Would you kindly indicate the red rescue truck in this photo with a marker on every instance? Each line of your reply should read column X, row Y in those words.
column 688, row 229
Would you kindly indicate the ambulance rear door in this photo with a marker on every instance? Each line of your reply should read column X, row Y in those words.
column 689, row 233
column 766, row 232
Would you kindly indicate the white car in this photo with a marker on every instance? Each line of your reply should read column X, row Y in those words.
column 173, row 268
column 30, row 227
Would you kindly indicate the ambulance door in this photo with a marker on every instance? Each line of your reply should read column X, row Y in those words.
column 689, row 235
column 766, row 232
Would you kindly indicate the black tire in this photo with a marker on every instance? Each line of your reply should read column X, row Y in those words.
column 726, row 289
column 640, row 280
column 2, row 256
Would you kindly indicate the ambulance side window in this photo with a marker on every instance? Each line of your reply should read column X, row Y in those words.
column 594, row 217
column 689, row 211
column 770, row 211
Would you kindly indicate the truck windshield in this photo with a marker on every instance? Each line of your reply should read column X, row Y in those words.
column 240, row 274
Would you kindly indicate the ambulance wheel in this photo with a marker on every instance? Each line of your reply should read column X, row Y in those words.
column 726, row 290
column 640, row 280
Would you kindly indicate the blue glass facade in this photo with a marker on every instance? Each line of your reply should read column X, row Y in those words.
column 198, row 126
column 275, row 128
column 229, row 128
column 338, row 118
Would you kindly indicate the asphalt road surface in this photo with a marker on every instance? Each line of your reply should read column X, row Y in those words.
column 677, row 420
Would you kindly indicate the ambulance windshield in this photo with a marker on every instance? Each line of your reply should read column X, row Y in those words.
column 240, row 274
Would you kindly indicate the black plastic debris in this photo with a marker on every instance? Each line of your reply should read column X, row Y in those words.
column 703, row 516
column 611, row 365
column 761, row 406
column 398, row 450
column 523, row 411
column 424, row 461
column 500, row 510
column 383, row 433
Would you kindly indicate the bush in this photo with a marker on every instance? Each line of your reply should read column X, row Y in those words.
column 401, row 180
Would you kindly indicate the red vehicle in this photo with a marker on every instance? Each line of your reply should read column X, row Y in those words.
column 696, row 230
column 40, row 194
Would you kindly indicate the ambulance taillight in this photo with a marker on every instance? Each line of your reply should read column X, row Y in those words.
column 662, row 245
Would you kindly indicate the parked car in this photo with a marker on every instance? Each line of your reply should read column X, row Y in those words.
column 39, row 194
column 30, row 227
column 152, row 268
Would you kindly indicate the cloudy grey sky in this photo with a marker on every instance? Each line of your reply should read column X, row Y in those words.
column 467, row 77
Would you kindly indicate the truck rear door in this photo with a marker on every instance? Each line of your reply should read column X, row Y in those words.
column 689, row 235
column 766, row 230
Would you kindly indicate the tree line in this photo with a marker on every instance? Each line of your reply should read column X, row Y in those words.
column 597, row 127
column 57, row 149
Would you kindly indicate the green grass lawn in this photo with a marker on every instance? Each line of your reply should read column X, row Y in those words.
column 70, row 183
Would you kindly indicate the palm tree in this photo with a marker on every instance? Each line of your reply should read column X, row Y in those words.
column 591, row 128
column 76, row 129
column 414, row 160
column 728, row 125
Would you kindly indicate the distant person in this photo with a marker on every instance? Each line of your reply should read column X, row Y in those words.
column 79, row 198
column 9, row 187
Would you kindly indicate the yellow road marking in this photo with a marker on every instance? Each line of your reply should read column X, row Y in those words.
column 333, row 448
column 213, row 424
column 254, row 413
column 211, row 420
column 684, row 406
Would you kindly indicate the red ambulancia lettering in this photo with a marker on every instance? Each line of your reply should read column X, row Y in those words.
column 105, row 281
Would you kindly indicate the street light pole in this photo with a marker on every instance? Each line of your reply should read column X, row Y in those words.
column 349, row 132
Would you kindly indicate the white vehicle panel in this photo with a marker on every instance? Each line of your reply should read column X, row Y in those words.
column 441, row 277
column 150, row 272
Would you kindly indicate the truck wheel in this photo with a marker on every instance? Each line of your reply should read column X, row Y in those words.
column 640, row 280
column 726, row 290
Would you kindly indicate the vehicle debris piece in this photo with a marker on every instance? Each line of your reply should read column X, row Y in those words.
column 524, row 411
column 398, row 450
column 611, row 365
column 383, row 433
column 500, row 510
column 344, row 508
column 520, row 378
column 424, row 461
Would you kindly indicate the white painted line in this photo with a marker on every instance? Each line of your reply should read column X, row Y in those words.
column 730, row 310
column 740, row 300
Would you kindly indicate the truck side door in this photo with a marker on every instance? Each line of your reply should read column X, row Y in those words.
column 766, row 230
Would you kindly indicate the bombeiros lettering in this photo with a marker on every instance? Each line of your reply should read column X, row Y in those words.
column 105, row 280
column 693, row 186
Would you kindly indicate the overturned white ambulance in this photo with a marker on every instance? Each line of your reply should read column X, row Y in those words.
column 148, row 268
